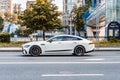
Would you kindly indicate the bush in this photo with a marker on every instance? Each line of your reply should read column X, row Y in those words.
column 109, row 43
column 113, row 39
column 12, row 44
column 4, row 37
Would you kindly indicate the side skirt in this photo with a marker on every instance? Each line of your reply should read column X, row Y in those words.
column 58, row 50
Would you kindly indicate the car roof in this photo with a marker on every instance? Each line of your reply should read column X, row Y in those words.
column 69, row 35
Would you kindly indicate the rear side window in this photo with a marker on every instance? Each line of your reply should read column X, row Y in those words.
column 70, row 38
column 59, row 38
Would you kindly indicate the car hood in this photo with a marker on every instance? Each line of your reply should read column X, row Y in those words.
column 35, row 43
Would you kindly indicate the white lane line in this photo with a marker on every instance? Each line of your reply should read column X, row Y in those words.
column 2, row 56
column 95, row 59
column 17, row 57
column 26, row 63
column 70, row 75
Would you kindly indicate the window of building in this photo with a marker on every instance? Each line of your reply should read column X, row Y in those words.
column 78, row 1
column 113, row 29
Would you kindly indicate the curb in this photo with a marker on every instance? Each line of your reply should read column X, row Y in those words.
column 10, row 49
column 19, row 49
column 107, row 49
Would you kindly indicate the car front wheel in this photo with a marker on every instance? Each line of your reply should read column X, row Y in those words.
column 79, row 50
column 35, row 50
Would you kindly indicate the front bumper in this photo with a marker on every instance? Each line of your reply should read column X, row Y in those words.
column 24, row 51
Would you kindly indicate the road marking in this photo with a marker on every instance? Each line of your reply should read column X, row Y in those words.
column 96, row 59
column 12, row 57
column 70, row 75
column 26, row 63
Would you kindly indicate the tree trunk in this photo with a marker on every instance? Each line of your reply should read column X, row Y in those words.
column 79, row 33
column 44, row 35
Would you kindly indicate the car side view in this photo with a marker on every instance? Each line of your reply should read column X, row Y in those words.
column 59, row 44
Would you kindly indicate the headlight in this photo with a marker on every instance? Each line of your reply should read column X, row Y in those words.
column 26, row 46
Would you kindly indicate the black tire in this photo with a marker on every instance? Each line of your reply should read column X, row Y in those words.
column 35, row 50
column 79, row 50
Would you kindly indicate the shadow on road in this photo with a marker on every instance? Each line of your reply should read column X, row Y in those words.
column 55, row 56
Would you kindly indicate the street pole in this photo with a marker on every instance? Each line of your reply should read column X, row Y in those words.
column 70, row 26
column 97, row 30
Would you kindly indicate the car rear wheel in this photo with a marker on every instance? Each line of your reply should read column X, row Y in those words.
column 35, row 50
column 79, row 50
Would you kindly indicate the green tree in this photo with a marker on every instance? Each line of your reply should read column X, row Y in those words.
column 7, row 16
column 1, row 23
column 77, row 15
column 14, row 18
column 26, row 32
column 11, row 17
column 42, row 15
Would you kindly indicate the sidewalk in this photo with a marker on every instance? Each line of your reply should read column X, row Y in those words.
column 19, row 49
column 107, row 49
column 10, row 49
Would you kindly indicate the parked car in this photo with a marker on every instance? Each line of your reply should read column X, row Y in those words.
column 59, row 44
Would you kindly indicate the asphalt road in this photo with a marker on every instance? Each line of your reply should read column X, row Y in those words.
column 98, row 65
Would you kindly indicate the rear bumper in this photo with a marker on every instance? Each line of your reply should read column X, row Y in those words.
column 91, row 48
column 90, row 51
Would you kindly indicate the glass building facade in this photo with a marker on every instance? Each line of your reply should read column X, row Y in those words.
column 68, row 5
column 107, row 13
column 66, row 19
column 101, row 14
column 5, row 6
column 112, row 11
column 112, row 15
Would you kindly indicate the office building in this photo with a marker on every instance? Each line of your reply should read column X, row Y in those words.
column 17, row 8
column 29, row 3
column 6, row 6
column 66, row 20
column 104, row 18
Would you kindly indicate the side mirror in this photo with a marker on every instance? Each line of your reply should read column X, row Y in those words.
column 50, row 41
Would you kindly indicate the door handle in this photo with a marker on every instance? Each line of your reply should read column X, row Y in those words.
column 43, row 44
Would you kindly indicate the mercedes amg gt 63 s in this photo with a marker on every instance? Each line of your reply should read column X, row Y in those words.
column 59, row 44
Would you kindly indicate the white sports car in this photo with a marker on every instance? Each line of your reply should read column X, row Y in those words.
column 59, row 44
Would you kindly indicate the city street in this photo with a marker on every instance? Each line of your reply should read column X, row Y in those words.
column 98, row 65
